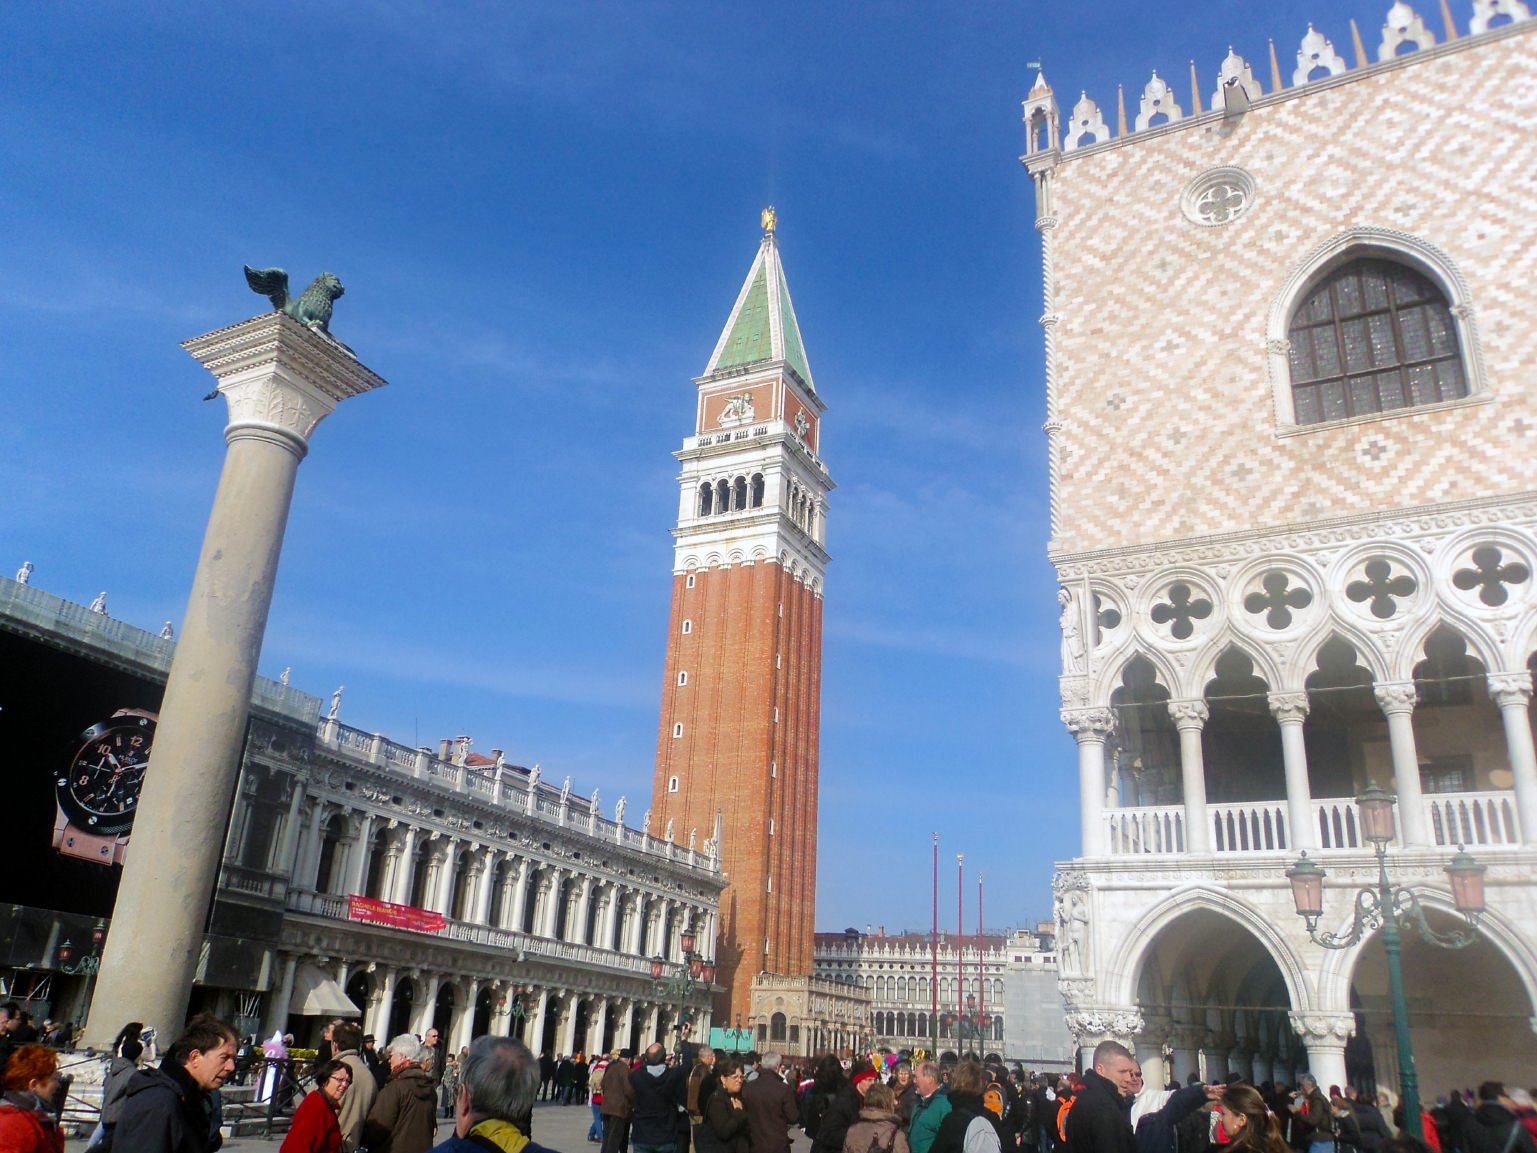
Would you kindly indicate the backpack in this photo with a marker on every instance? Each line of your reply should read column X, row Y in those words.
column 875, row 1141
column 995, row 1099
column 1063, row 1106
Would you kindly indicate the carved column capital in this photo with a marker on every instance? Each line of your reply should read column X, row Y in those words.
column 1318, row 1027
column 1189, row 714
column 1090, row 1026
column 1089, row 724
column 1510, row 688
column 279, row 378
column 1288, row 708
column 1396, row 696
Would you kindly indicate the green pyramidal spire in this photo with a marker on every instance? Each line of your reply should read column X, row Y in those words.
column 762, row 326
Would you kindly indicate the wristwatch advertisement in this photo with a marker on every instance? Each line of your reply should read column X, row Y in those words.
column 97, row 792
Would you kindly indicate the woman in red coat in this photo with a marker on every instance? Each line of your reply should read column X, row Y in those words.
column 31, row 1082
column 314, row 1128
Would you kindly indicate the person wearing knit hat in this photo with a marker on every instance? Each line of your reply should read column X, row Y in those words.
column 862, row 1080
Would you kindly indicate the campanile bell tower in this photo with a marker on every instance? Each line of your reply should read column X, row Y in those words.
column 741, row 695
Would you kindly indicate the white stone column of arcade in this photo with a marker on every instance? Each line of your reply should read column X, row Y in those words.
column 280, row 380
column 1324, row 1035
column 1290, row 711
column 1513, row 693
column 1397, row 700
column 1190, row 718
column 1090, row 727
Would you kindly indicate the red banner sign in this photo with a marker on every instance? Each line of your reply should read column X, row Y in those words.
column 377, row 912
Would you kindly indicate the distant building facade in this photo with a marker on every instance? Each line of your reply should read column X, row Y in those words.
column 999, row 1000
column 1289, row 368
column 404, row 887
column 737, row 746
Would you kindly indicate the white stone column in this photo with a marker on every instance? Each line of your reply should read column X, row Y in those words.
column 464, row 1027
column 1290, row 711
column 624, row 1024
column 653, row 1024
column 1090, row 727
column 403, row 867
column 1397, row 699
column 357, row 860
column 1190, row 718
column 427, row 1008
column 597, row 1018
column 448, row 868
column 519, row 893
column 1324, row 1035
column 578, row 931
column 280, row 380
column 535, row 1038
column 1513, row 692
column 293, row 858
column 567, row 1042
column 384, row 1005
column 276, row 1018
column 486, row 887
column 636, row 945
column 1186, row 1040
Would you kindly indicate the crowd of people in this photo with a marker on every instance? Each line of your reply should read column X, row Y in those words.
column 694, row 1100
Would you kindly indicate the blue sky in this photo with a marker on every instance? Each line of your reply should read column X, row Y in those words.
column 542, row 214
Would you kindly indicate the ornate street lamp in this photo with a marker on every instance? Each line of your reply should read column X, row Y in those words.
column 1394, row 910
column 521, row 995
column 693, row 974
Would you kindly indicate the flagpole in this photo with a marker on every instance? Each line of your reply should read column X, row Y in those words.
column 934, row 949
column 960, row 951
column 981, row 972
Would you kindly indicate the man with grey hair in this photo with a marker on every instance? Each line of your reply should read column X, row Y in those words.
column 404, row 1116
column 770, row 1107
column 930, row 1109
column 498, row 1080
column 1313, row 1120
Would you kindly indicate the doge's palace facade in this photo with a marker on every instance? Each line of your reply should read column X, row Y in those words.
column 1290, row 357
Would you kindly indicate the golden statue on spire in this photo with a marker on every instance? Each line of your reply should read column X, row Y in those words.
column 770, row 219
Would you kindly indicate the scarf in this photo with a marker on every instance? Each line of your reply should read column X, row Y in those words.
column 496, row 1134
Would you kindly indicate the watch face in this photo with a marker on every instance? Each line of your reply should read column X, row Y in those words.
column 99, row 791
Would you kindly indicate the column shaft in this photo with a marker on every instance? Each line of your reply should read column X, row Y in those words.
column 1190, row 717
column 1290, row 711
column 1397, row 701
column 1512, row 692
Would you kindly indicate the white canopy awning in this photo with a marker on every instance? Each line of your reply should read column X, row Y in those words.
column 316, row 994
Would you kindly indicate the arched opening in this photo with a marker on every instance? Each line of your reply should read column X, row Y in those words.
column 777, row 1027
column 443, row 1012
column 459, row 896
column 1458, row 1040
column 1209, row 977
column 326, row 879
column 1458, row 732
column 378, row 855
column 401, row 1007
column 1241, row 742
column 706, row 499
column 549, row 1037
column 360, row 989
column 485, row 1005
column 757, row 490
column 1345, row 733
column 1148, row 759
column 420, row 867
column 531, row 908
column 722, row 496
column 739, row 493
column 501, row 894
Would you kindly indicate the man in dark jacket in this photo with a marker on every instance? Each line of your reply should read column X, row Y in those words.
column 1099, row 1120
column 659, row 1098
column 618, row 1103
column 771, row 1107
column 1494, row 1126
column 404, row 1116
column 170, row 1109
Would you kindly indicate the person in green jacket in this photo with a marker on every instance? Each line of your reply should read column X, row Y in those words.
column 929, row 1110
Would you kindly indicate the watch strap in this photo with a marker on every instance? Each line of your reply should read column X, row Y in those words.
column 73, row 842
